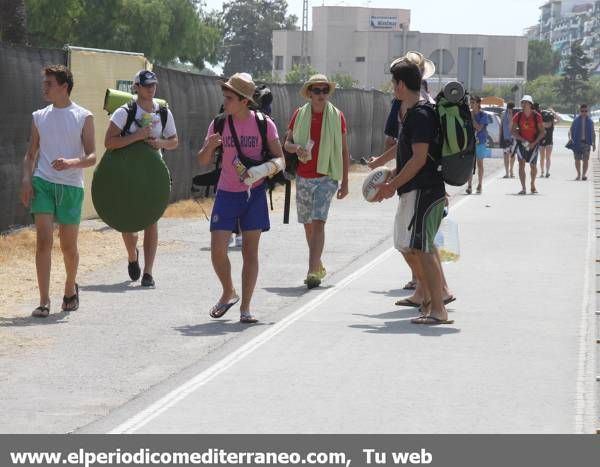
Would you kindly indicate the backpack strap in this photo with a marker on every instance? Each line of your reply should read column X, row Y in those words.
column 164, row 115
column 131, row 108
column 261, row 122
column 218, row 127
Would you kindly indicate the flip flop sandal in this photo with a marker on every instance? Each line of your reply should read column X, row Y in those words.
column 220, row 309
column 522, row 192
column 407, row 302
column 410, row 285
column 41, row 312
column 247, row 318
column 431, row 321
column 71, row 303
column 450, row 299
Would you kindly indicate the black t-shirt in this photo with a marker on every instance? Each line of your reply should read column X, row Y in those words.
column 420, row 126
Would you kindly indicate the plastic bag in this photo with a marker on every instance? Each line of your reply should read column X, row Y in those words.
column 446, row 241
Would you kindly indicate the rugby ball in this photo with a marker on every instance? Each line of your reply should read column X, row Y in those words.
column 375, row 178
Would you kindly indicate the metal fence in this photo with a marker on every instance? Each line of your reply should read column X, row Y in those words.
column 194, row 100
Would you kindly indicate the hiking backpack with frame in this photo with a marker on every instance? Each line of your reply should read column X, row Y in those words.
column 456, row 134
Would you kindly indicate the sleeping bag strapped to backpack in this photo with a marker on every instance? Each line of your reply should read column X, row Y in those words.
column 456, row 133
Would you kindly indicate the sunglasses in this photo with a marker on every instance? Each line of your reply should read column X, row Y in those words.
column 318, row 91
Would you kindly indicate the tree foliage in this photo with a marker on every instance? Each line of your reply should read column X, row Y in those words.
column 541, row 59
column 344, row 80
column 163, row 31
column 248, row 29
column 295, row 75
column 13, row 21
column 574, row 86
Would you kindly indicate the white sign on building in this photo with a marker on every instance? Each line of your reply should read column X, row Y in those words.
column 383, row 22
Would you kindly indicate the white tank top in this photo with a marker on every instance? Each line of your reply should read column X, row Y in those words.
column 60, row 136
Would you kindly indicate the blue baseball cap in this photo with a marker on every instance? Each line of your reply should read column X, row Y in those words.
column 145, row 78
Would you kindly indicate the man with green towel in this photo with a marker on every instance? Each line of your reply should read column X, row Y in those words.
column 317, row 134
column 61, row 145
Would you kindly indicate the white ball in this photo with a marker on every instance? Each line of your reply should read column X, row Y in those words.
column 374, row 178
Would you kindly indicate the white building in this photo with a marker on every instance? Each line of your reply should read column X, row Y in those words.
column 363, row 42
column 563, row 22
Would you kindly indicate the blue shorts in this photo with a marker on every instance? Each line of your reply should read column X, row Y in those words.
column 482, row 151
column 235, row 211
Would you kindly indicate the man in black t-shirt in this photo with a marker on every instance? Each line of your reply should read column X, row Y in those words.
column 420, row 187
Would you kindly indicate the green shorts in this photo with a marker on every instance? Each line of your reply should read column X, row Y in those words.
column 62, row 201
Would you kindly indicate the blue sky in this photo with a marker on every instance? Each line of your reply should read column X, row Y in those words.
column 498, row 17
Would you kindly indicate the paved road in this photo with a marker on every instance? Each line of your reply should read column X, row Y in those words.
column 343, row 359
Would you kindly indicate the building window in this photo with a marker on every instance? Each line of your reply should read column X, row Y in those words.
column 520, row 68
column 360, row 59
column 297, row 60
column 278, row 62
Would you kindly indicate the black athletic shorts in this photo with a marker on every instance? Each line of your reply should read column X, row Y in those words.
column 548, row 139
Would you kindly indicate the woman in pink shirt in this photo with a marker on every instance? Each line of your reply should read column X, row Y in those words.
column 241, row 200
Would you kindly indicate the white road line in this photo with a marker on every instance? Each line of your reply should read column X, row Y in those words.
column 584, row 391
column 136, row 422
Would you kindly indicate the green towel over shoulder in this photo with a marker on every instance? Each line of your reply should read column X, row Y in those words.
column 330, row 149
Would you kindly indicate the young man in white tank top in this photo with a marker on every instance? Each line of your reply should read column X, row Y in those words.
column 61, row 145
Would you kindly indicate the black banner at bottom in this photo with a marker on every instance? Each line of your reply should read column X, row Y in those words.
column 307, row 450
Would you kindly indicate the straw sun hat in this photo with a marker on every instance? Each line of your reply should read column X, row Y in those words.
column 426, row 66
column 242, row 84
column 317, row 79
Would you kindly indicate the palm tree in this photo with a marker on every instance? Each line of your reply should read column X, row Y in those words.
column 13, row 21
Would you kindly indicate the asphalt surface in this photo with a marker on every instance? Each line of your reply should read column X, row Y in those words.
column 520, row 357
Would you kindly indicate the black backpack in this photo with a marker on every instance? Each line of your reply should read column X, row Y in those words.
column 131, row 108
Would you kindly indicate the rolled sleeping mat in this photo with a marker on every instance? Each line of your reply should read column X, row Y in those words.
column 131, row 187
column 113, row 99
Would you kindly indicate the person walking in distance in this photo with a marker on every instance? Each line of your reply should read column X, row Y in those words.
column 528, row 130
column 508, row 148
column 583, row 137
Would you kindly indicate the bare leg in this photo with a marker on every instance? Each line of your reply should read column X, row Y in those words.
column 548, row 161
column 506, row 163
column 522, row 175
column 445, row 289
column 512, row 166
column 411, row 260
column 585, row 167
column 315, row 238
column 150, row 247
column 250, row 267
column 219, row 239
column 68, row 244
column 44, row 228
column 433, row 284
column 533, row 175
column 130, row 239
column 479, row 174
column 578, row 168
column 542, row 159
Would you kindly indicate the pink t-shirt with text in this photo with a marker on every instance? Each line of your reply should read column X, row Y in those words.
column 251, row 145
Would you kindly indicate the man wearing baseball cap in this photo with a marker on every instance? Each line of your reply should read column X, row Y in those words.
column 146, row 126
column 528, row 130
